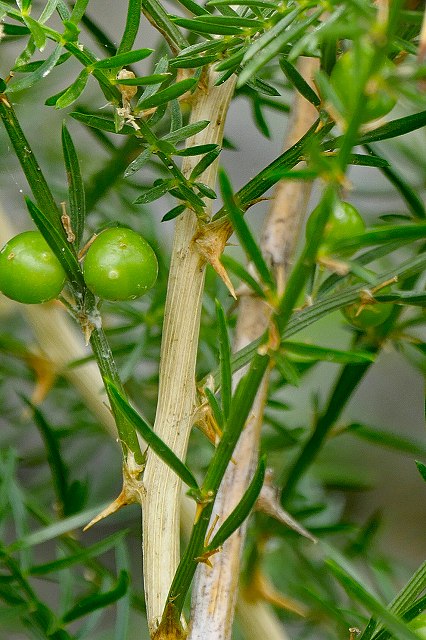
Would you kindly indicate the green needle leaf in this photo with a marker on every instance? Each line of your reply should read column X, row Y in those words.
column 98, row 600
column 385, row 439
column 57, row 529
column 205, row 162
column 242, row 510
column 74, row 91
column 42, row 71
column 197, row 26
column 37, row 32
column 422, row 469
column 215, row 407
column 78, row 11
column 185, row 132
column 58, row 467
column 143, row 81
column 173, row 213
column 131, row 29
column 101, row 123
column 93, row 551
column 392, row 129
column 75, row 186
column 165, row 95
column 299, row 82
column 155, row 192
column 158, row 16
column 138, row 162
column 232, row 265
column 150, row 437
column 123, row 59
column 324, row 353
column 243, row 232
column 274, row 41
column 412, row 200
column 379, row 235
column 196, row 150
column 360, row 593
column 225, row 360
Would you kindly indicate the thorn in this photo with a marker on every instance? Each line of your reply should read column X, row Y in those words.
column 336, row 266
column 132, row 491
column 110, row 509
column 269, row 502
column 260, row 588
column 205, row 558
column 45, row 377
column 210, row 241
column 198, row 511
column 210, row 531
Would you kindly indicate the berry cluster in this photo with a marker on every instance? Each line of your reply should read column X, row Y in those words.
column 119, row 265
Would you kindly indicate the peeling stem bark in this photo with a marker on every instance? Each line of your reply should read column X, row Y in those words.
column 215, row 590
column 176, row 401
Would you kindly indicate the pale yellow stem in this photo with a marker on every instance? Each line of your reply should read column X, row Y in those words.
column 176, row 401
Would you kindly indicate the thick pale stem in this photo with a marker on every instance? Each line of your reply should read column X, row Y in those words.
column 282, row 226
column 176, row 402
column 214, row 594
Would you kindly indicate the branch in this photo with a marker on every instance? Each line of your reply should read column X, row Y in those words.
column 215, row 590
column 176, row 402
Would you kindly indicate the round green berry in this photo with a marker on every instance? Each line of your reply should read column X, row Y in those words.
column 365, row 316
column 343, row 223
column 120, row 265
column 344, row 79
column 29, row 270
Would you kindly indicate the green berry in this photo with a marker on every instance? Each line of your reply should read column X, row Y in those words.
column 29, row 270
column 343, row 223
column 120, row 265
column 345, row 78
column 365, row 316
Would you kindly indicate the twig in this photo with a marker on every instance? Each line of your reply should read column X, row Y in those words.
column 176, row 403
column 215, row 590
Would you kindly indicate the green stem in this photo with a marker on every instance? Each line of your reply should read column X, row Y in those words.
column 108, row 369
column 303, row 267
